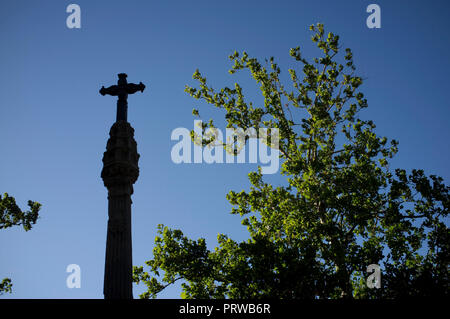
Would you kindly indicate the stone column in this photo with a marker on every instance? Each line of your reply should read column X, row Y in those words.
column 120, row 172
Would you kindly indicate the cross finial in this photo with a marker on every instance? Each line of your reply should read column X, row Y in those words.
column 121, row 90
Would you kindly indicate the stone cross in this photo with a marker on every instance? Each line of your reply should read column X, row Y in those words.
column 120, row 171
column 122, row 89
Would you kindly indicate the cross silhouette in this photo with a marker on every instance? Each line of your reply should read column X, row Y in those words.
column 122, row 89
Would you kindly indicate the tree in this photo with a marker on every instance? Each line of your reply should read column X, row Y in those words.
column 343, row 208
column 11, row 215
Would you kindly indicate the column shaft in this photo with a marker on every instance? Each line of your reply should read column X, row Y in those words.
column 118, row 263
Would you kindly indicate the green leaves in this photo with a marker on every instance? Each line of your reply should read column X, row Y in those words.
column 12, row 215
column 178, row 256
column 5, row 286
column 339, row 210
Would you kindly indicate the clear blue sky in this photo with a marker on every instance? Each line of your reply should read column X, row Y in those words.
column 54, row 124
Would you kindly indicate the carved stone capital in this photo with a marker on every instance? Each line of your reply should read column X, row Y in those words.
column 120, row 161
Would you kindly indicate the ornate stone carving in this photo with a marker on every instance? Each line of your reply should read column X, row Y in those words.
column 120, row 161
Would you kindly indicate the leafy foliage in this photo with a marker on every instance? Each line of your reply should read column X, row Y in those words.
column 342, row 209
column 5, row 286
column 11, row 215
